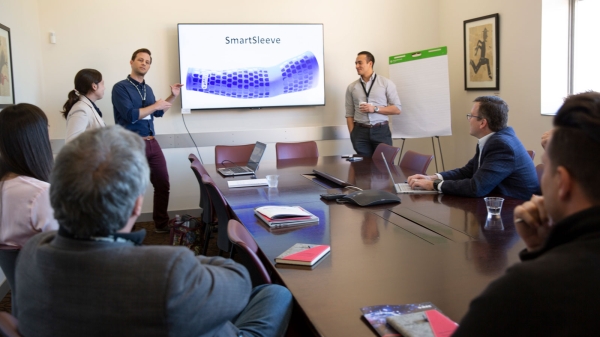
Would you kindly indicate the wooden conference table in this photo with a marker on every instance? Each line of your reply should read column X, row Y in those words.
column 429, row 248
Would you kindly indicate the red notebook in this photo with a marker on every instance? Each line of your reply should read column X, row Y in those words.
column 303, row 254
column 441, row 325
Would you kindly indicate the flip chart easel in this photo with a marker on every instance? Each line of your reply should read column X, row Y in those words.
column 423, row 85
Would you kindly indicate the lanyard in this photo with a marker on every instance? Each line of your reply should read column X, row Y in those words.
column 371, row 87
column 144, row 97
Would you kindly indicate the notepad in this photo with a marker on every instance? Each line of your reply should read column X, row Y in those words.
column 285, row 216
column 247, row 183
column 303, row 254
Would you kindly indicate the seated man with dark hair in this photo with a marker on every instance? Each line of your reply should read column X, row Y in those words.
column 93, row 277
column 501, row 164
column 554, row 291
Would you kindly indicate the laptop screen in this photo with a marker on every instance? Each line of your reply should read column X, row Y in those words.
column 257, row 153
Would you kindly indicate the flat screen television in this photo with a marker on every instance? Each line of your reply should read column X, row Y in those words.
column 229, row 66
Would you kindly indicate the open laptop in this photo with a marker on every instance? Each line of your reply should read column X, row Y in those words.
column 404, row 187
column 251, row 167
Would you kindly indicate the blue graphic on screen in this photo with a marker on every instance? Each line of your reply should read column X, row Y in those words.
column 299, row 73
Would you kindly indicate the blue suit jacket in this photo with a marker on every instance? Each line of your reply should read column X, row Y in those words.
column 506, row 168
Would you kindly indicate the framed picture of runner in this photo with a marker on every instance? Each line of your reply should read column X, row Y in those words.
column 7, row 88
column 482, row 53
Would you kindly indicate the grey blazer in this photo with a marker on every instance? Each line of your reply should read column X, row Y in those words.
column 81, row 117
column 95, row 288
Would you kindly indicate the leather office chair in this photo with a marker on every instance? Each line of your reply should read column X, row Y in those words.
column 389, row 152
column 9, row 325
column 224, row 214
column 235, row 153
column 8, row 260
column 297, row 150
column 531, row 154
column 539, row 169
column 248, row 252
column 416, row 161
column 209, row 216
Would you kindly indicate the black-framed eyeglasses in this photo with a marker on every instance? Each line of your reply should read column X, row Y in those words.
column 469, row 116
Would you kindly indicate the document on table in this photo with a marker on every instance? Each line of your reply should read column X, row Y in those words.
column 247, row 183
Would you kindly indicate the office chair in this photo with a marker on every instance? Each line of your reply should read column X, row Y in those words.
column 539, row 169
column 209, row 216
column 248, row 252
column 224, row 214
column 390, row 153
column 233, row 153
column 531, row 154
column 297, row 150
column 9, row 325
column 416, row 161
column 8, row 261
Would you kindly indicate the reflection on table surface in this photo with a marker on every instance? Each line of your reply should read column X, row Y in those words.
column 429, row 248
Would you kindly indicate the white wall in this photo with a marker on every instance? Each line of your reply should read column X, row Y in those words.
column 520, row 58
column 102, row 35
column 22, row 17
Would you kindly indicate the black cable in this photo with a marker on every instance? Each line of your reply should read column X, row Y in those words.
column 234, row 164
column 192, row 138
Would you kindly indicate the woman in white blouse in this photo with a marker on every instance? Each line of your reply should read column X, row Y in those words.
column 25, row 164
column 80, row 110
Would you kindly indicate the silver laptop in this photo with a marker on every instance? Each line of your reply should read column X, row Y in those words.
column 404, row 187
column 251, row 167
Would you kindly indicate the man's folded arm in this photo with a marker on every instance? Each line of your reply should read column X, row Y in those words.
column 211, row 290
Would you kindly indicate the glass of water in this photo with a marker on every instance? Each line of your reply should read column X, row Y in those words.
column 272, row 180
column 494, row 205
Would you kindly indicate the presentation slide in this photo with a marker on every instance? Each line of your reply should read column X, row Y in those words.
column 225, row 66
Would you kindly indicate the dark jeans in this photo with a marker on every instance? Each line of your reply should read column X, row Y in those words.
column 365, row 140
column 267, row 313
column 159, row 177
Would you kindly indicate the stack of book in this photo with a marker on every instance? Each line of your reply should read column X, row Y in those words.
column 285, row 216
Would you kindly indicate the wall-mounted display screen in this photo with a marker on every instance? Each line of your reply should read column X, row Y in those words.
column 228, row 66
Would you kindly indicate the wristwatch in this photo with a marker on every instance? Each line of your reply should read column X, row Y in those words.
column 376, row 109
column 436, row 183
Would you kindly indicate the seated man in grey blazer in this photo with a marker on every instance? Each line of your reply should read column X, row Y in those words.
column 501, row 164
column 93, row 277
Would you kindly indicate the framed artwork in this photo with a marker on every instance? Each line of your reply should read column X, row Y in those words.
column 7, row 87
column 482, row 53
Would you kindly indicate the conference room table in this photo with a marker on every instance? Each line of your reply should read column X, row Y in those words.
column 429, row 248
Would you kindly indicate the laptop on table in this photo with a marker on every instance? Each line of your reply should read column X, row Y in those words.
column 250, row 168
column 404, row 188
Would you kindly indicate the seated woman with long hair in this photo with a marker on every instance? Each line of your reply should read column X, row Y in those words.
column 25, row 164
column 80, row 110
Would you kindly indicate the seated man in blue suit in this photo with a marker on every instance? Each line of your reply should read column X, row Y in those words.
column 94, row 278
column 501, row 164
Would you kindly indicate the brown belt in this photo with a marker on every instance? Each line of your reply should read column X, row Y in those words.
column 148, row 138
column 370, row 126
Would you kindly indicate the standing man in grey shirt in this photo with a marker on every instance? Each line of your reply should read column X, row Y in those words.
column 368, row 102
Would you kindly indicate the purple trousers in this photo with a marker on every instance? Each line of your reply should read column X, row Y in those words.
column 159, row 177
